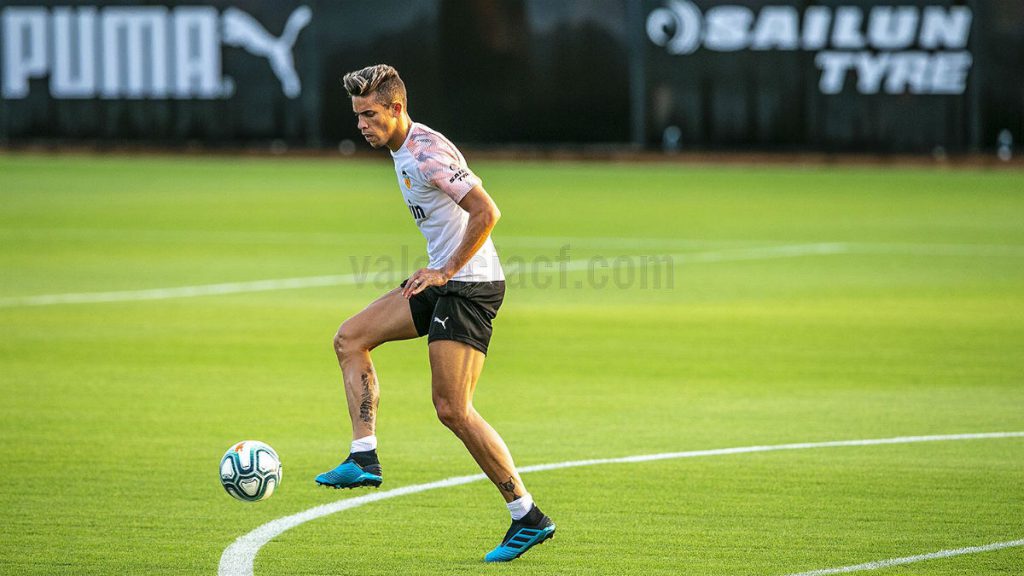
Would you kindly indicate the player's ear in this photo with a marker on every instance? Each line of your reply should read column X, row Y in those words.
column 396, row 109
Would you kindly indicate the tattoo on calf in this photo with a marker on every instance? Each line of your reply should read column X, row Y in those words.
column 509, row 486
column 366, row 406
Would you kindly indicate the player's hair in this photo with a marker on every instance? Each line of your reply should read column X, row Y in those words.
column 381, row 80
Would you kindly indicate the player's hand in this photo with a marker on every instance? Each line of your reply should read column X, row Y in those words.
column 421, row 280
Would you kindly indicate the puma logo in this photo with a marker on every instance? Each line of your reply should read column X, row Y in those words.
column 441, row 322
column 242, row 30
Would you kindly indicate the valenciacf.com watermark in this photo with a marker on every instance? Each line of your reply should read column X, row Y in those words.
column 560, row 270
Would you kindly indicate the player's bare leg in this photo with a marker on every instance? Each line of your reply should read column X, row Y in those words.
column 455, row 368
column 386, row 319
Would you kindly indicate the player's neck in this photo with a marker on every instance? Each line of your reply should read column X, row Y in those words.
column 401, row 133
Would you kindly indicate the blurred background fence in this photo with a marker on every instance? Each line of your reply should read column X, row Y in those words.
column 849, row 75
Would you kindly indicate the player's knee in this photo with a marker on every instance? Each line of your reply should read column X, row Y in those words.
column 453, row 415
column 347, row 340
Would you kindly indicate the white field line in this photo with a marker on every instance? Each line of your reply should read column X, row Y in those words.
column 738, row 254
column 610, row 262
column 544, row 242
column 238, row 558
column 341, row 238
column 911, row 559
column 183, row 291
column 910, row 249
column 894, row 248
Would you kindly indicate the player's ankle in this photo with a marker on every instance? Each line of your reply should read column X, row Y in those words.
column 365, row 458
column 521, row 507
column 533, row 517
column 364, row 444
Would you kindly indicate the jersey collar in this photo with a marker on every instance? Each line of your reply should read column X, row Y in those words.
column 412, row 125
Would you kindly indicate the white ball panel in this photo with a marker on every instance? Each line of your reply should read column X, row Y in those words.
column 245, row 454
column 266, row 462
column 227, row 469
column 271, row 484
column 251, row 486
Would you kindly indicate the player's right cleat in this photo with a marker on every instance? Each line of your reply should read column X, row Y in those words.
column 525, row 533
column 359, row 469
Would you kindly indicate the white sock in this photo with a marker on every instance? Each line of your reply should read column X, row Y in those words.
column 364, row 444
column 521, row 506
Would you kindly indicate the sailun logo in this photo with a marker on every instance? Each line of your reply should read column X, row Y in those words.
column 138, row 52
column 890, row 49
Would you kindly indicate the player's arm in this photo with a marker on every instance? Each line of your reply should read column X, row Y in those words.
column 483, row 215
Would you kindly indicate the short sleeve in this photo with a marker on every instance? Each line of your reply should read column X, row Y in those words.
column 445, row 170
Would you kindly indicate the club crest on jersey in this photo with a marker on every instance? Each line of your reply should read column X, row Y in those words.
column 406, row 180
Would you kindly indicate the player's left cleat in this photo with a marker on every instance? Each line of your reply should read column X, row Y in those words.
column 525, row 533
column 359, row 469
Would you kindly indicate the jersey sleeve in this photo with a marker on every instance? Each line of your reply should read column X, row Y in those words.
column 444, row 169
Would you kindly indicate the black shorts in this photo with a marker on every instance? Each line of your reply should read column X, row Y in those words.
column 460, row 311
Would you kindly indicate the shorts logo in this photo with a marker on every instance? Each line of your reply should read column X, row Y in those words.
column 441, row 322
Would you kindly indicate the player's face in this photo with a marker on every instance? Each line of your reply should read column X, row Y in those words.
column 376, row 122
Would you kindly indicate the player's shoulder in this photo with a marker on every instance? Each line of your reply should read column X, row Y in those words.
column 425, row 141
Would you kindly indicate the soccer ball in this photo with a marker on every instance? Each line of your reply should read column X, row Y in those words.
column 250, row 471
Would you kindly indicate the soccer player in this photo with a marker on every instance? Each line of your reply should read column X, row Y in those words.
column 452, row 302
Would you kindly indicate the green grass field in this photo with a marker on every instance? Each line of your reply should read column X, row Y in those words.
column 795, row 305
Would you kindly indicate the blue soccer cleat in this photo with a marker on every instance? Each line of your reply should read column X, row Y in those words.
column 352, row 474
column 534, row 528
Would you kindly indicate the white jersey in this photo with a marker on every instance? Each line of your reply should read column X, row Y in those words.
column 434, row 178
